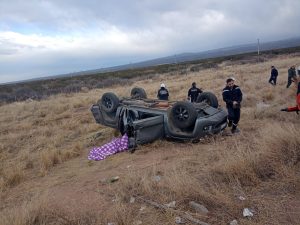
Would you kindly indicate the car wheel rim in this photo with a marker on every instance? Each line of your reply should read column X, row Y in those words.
column 108, row 103
column 181, row 114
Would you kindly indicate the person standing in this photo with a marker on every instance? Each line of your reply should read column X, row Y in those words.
column 232, row 96
column 194, row 92
column 163, row 93
column 274, row 74
column 291, row 75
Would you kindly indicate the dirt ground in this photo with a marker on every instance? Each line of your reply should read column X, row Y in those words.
column 46, row 178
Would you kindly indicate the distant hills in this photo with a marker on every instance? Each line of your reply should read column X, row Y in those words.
column 233, row 50
column 184, row 57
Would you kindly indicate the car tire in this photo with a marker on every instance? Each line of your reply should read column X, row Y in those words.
column 183, row 115
column 208, row 98
column 109, row 102
column 138, row 93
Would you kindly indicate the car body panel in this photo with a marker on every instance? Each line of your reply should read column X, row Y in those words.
column 148, row 120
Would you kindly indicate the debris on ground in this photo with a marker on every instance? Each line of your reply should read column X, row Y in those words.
column 233, row 222
column 184, row 215
column 247, row 212
column 157, row 178
column 198, row 207
column 114, row 179
column 242, row 198
column 179, row 220
column 142, row 208
column 171, row 204
column 262, row 106
column 132, row 199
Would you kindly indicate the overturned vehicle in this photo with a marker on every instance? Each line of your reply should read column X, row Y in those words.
column 145, row 120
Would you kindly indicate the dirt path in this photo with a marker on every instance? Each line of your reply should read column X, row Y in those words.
column 81, row 181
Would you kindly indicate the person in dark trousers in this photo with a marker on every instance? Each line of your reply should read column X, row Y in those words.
column 297, row 107
column 194, row 92
column 163, row 93
column 233, row 96
column 291, row 76
column 274, row 74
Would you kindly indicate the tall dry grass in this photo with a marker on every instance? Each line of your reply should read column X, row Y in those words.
column 39, row 211
column 40, row 139
column 270, row 159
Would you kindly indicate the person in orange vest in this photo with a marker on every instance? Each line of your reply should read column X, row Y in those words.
column 297, row 107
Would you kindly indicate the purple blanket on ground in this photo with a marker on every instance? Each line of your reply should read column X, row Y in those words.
column 115, row 146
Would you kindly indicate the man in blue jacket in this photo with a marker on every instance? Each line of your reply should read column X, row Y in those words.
column 274, row 74
column 233, row 96
column 194, row 92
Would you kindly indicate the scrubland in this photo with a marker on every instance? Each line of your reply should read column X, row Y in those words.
column 45, row 177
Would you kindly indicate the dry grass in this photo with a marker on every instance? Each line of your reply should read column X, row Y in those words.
column 44, row 144
column 38, row 211
column 276, row 157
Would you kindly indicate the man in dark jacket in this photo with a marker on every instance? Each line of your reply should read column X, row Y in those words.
column 163, row 93
column 274, row 74
column 291, row 75
column 194, row 92
column 233, row 96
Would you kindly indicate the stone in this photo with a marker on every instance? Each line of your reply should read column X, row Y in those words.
column 114, row 179
column 247, row 212
column 142, row 208
column 198, row 207
column 171, row 204
column 179, row 220
column 132, row 199
column 233, row 222
column 242, row 198
column 157, row 178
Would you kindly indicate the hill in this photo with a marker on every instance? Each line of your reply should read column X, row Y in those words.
column 41, row 89
column 45, row 177
column 187, row 57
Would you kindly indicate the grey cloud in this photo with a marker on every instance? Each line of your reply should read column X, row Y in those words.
column 132, row 14
column 165, row 27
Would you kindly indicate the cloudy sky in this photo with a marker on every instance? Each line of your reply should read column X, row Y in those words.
column 49, row 37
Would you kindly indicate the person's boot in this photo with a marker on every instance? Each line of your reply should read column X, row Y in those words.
column 234, row 129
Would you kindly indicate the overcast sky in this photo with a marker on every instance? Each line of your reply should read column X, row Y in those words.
column 49, row 37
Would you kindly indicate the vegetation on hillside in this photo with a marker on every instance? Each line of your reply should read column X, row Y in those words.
column 45, row 177
column 43, row 88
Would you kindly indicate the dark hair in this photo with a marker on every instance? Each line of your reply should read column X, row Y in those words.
column 194, row 84
column 229, row 80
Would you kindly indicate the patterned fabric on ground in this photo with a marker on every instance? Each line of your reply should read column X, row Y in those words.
column 113, row 147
